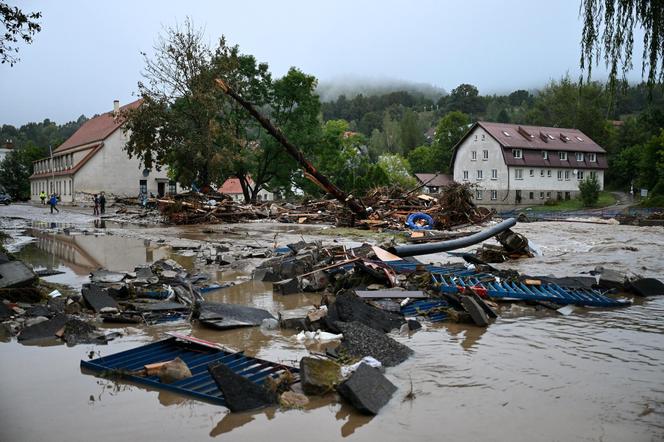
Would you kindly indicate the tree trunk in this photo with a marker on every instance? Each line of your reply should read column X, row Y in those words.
column 353, row 204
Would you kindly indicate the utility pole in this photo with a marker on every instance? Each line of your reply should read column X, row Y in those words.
column 50, row 149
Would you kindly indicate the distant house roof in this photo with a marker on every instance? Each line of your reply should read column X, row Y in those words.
column 433, row 179
column 96, row 129
column 232, row 186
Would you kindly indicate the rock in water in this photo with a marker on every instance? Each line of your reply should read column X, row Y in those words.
column 290, row 399
column 173, row 371
column 319, row 376
column 348, row 307
column 239, row 392
column 360, row 341
column 367, row 389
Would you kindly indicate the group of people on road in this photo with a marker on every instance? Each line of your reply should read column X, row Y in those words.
column 98, row 199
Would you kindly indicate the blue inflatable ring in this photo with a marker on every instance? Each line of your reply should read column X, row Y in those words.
column 414, row 220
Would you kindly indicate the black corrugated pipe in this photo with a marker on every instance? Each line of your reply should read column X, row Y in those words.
column 453, row 244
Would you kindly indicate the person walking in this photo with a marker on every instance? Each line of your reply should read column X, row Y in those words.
column 53, row 202
column 95, row 200
column 42, row 197
column 102, row 203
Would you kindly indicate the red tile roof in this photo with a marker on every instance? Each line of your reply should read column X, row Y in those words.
column 232, row 186
column 96, row 129
column 540, row 137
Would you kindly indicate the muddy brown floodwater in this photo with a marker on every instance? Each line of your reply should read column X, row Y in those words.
column 530, row 376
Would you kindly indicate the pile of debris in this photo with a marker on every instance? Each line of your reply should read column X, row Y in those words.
column 386, row 208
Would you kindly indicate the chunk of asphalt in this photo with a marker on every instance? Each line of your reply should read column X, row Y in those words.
column 360, row 340
column 348, row 307
column 16, row 274
column 43, row 330
column 367, row 389
column 475, row 311
column 287, row 286
column 97, row 298
column 225, row 316
column 239, row 392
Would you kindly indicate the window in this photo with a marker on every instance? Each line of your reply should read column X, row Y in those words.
column 579, row 156
column 143, row 186
column 478, row 194
column 494, row 174
column 507, row 134
column 567, row 175
column 473, row 155
column 482, row 137
column 541, row 172
column 517, row 153
column 532, row 195
column 593, row 175
column 562, row 156
column 545, row 155
column 579, row 138
column 579, row 175
column 475, row 137
column 548, row 195
column 592, row 157
column 548, row 173
column 560, row 175
column 465, row 175
column 541, row 195
column 518, row 174
column 532, row 172
column 479, row 175
column 485, row 154
column 494, row 194
column 172, row 187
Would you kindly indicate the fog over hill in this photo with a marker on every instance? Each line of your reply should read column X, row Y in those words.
column 350, row 86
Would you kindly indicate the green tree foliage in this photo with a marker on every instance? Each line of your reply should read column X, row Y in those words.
column 397, row 170
column 17, row 26
column 464, row 98
column 608, row 30
column 423, row 159
column 411, row 133
column 449, row 131
column 16, row 168
column 589, row 189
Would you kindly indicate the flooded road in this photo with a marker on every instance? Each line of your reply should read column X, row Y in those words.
column 530, row 376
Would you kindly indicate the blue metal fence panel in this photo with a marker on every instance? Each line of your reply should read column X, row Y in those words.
column 196, row 356
column 522, row 291
column 428, row 308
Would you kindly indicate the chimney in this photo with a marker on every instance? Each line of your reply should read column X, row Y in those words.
column 116, row 106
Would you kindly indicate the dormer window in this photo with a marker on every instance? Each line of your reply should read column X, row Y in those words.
column 592, row 157
column 517, row 153
column 562, row 156
column 564, row 138
column 545, row 155
column 579, row 138
column 579, row 156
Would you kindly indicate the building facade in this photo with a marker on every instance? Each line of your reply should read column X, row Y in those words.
column 93, row 160
column 432, row 182
column 514, row 165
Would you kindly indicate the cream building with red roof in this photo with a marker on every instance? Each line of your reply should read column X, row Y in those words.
column 513, row 164
column 93, row 160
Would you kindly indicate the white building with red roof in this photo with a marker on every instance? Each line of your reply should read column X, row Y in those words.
column 233, row 188
column 514, row 164
column 93, row 160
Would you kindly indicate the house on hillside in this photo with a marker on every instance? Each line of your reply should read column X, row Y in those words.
column 233, row 188
column 432, row 182
column 93, row 160
column 6, row 147
column 514, row 164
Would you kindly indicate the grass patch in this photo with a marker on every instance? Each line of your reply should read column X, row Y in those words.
column 605, row 199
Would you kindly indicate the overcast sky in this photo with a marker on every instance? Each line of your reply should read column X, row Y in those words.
column 88, row 52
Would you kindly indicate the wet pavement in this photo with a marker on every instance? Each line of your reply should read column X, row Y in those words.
column 530, row 376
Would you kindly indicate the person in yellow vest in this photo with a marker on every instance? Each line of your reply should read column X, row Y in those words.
column 42, row 197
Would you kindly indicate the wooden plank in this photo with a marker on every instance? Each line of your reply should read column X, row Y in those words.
column 370, row 294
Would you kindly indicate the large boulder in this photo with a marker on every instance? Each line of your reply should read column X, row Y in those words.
column 319, row 376
column 367, row 389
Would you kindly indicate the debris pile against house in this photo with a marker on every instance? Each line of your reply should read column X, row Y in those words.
column 365, row 302
column 385, row 208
